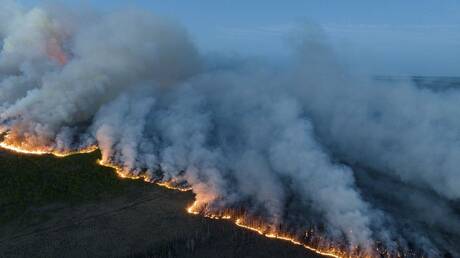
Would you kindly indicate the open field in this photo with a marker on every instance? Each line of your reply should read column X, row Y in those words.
column 71, row 207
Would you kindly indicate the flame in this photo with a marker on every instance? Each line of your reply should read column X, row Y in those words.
column 45, row 151
column 171, row 186
column 194, row 209
column 240, row 222
column 126, row 175
column 55, row 51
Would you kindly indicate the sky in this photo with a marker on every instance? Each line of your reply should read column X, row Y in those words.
column 384, row 37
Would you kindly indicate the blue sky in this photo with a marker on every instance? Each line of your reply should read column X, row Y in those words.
column 385, row 37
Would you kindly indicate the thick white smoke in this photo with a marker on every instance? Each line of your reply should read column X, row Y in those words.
column 410, row 132
column 304, row 141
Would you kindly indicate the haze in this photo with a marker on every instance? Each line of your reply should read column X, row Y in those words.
column 383, row 38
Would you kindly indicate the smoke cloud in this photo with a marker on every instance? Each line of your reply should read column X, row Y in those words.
column 307, row 145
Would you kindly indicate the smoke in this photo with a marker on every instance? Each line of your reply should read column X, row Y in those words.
column 305, row 145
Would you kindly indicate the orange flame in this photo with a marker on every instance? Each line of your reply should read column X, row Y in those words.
column 55, row 51
column 45, row 151
column 240, row 222
column 193, row 209
column 126, row 175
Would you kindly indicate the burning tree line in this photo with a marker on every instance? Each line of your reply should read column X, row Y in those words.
column 241, row 133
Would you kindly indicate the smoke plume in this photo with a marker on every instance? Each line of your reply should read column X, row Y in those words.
column 369, row 164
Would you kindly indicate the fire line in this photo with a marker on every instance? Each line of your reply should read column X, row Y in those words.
column 191, row 210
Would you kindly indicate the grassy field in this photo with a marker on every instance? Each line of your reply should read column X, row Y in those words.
column 72, row 207
column 30, row 181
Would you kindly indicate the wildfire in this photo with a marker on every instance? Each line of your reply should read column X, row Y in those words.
column 55, row 51
column 122, row 174
column 171, row 186
column 240, row 222
column 59, row 154
column 193, row 209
